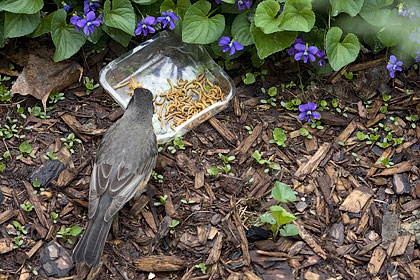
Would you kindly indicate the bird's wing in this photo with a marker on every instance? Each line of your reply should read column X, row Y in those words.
column 121, row 182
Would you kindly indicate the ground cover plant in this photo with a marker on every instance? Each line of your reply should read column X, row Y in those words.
column 311, row 172
column 321, row 32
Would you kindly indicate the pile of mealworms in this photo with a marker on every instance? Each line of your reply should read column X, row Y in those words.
column 185, row 99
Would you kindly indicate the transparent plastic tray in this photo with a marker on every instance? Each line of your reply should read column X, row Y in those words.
column 152, row 63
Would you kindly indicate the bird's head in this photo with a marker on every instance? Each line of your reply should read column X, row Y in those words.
column 141, row 102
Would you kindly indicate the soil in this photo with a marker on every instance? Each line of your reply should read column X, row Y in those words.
column 357, row 203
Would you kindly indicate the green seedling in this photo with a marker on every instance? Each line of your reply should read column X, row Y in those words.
column 162, row 200
column 178, row 144
column 394, row 120
column 248, row 79
column 272, row 92
column 292, row 105
column 17, row 240
column 272, row 165
column 19, row 227
column 54, row 217
column 343, row 144
column 356, row 157
column 37, row 185
column 25, row 149
column 33, row 270
column 20, row 111
column 279, row 218
column 90, row 85
column 50, row 155
column 55, row 97
column 323, row 105
column 226, row 168
column 202, row 267
column 249, row 129
column 27, row 206
column 412, row 119
column 157, row 177
column 69, row 141
column 386, row 162
column 172, row 226
column 67, row 233
column 10, row 131
column 348, row 75
column 317, row 124
column 5, row 96
column 279, row 137
column 37, row 112
column 187, row 202
column 287, row 86
column 305, row 133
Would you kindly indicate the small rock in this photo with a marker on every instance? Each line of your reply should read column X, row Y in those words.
column 377, row 151
column 401, row 183
column 56, row 260
column 47, row 172
column 235, row 255
column 235, row 266
column 301, row 206
column 215, row 219
column 265, row 245
column 1, row 196
column 256, row 233
column 384, row 88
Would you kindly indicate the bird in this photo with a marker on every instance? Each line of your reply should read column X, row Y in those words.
column 124, row 161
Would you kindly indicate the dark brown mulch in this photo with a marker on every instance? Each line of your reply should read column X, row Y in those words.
column 357, row 218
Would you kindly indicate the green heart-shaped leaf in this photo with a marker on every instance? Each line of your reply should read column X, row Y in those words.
column 297, row 16
column 289, row 230
column 16, row 25
column 283, row 193
column 66, row 38
column 198, row 27
column 267, row 16
column 117, row 35
column 341, row 53
column 21, row 6
column 281, row 215
column 373, row 12
column 240, row 29
column 121, row 15
column 268, row 44
column 350, row 7
column 44, row 26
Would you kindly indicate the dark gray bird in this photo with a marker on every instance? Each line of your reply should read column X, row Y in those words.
column 123, row 164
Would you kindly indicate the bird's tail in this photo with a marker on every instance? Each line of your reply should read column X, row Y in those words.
column 90, row 246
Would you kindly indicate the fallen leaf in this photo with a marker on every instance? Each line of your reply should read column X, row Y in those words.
column 42, row 76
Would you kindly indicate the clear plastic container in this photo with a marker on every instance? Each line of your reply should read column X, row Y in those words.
column 152, row 63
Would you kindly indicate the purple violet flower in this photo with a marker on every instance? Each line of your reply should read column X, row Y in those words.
column 292, row 50
column 242, row 4
column 74, row 19
column 281, row 8
column 307, row 111
column 417, row 55
column 218, row 2
column 305, row 52
column 230, row 45
column 394, row 65
column 89, row 22
column 168, row 17
column 323, row 58
column 67, row 6
column 146, row 26
column 90, row 5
